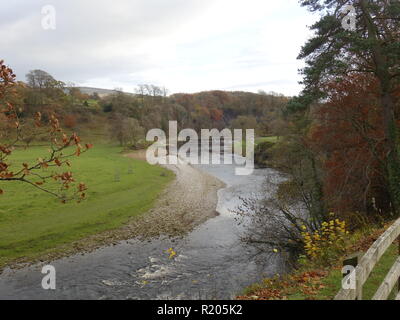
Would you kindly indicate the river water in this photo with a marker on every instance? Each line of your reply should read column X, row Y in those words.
column 210, row 263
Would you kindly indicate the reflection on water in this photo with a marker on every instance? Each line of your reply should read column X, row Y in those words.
column 211, row 261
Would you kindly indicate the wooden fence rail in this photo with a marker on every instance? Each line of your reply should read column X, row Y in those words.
column 365, row 265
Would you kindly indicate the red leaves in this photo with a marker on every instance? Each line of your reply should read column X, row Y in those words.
column 66, row 177
column 75, row 138
column 216, row 114
column 58, row 141
column 3, row 166
column 5, row 150
column 43, row 164
column 348, row 133
column 82, row 187
column 279, row 288
column 78, row 152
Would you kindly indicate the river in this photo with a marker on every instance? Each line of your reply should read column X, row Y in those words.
column 211, row 262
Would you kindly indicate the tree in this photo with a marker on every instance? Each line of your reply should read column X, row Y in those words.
column 372, row 48
column 244, row 122
column 38, row 173
column 44, row 92
column 40, row 79
column 135, row 130
column 348, row 134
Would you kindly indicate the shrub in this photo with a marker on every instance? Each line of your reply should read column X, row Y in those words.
column 323, row 245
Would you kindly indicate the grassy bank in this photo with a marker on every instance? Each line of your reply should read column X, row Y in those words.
column 311, row 282
column 257, row 141
column 32, row 222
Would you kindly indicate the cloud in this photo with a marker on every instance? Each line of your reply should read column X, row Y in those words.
column 185, row 45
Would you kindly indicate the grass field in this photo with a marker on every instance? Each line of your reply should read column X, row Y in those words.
column 257, row 140
column 32, row 222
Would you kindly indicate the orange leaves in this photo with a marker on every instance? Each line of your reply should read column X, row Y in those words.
column 3, row 166
column 26, row 169
column 5, row 150
column 65, row 139
column 348, row 134
column 75, row 138
column 66, row 177
column 4, row 173
column 42, row 163
column 10, row 110
column 78, row 152
column 279, row 288
column 54, row 123
column 38, row 119
column 82, row 187
column 216, row 114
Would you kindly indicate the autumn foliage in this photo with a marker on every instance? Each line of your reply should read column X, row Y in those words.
column 61, row 146
column 349, row 137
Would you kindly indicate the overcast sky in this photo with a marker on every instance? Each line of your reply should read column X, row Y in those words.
column 185, row 45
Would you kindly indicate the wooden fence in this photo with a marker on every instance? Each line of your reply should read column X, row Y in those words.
column 365, row 265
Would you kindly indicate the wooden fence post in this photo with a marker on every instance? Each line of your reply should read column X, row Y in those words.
column 353, row 260
column 398, row 282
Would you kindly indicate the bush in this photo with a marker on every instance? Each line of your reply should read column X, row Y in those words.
column 262, row 154
column 323, row 246
column 70, row 121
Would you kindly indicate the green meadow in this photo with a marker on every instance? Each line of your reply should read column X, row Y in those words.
column 119, row 188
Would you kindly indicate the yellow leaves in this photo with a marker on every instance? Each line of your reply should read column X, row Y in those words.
column 331, row 235
column 143, row 283
column 172, row 253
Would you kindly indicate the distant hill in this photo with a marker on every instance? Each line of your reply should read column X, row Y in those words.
column 99, row 91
